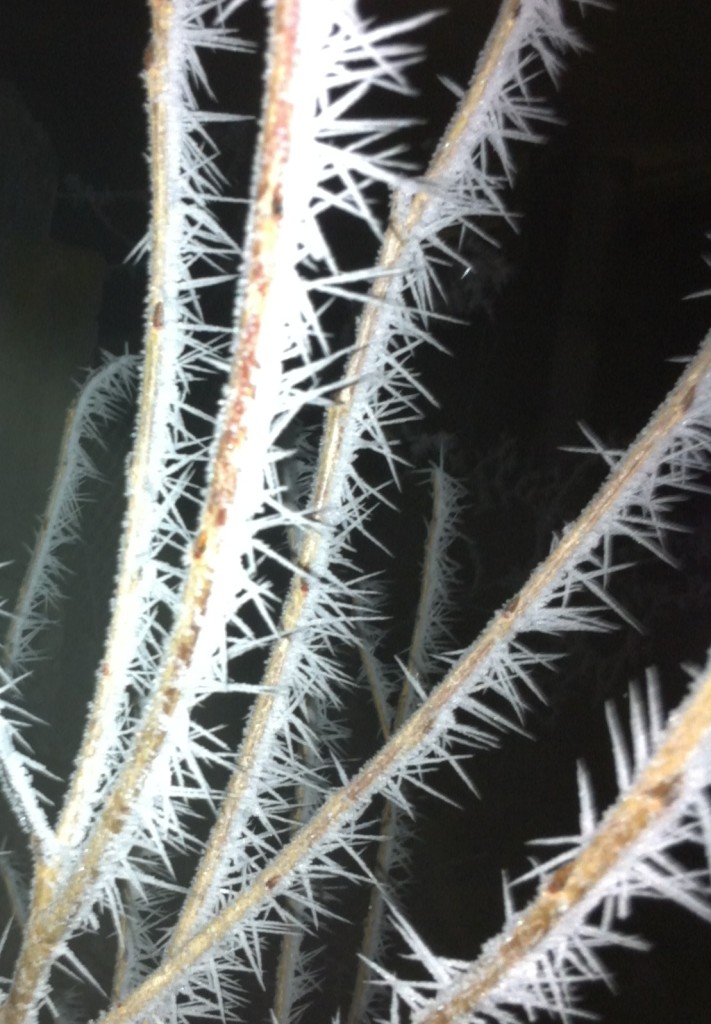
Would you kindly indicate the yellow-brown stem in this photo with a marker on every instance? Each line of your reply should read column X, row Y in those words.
column 624, row 824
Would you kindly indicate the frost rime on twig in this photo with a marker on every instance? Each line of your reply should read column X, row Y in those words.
column 550, row 951
column 147, row 764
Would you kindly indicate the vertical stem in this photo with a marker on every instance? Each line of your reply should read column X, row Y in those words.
column 140, row 485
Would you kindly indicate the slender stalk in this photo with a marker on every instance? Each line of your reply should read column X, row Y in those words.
column 60, row 520
column 434, row 580
column 50, row 914
column 41, row 584
column 271, row 166
column 123, row 628
column 647, row 802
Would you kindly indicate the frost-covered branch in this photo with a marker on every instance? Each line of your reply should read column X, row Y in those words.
column 103, row 396
column 220, row 571
column 551, row 950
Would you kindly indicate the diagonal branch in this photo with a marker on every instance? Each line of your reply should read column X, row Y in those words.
column 579, row 885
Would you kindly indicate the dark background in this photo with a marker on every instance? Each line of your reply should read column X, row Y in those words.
column 574, row 317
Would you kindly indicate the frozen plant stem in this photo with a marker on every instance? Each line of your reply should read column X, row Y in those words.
column 576, row 889
column 191, row 586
